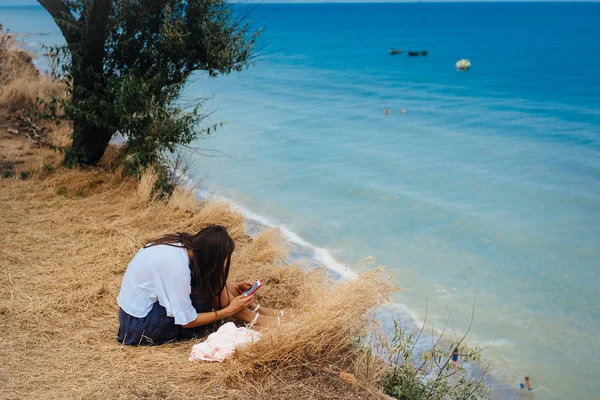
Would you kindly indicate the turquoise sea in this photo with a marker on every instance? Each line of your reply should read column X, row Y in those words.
column 486, row 191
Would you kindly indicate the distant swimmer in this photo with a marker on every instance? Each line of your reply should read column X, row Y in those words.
column 527, row 392
column 386, row 111
column 455, row 359
column 527, row 384
column 404, row 111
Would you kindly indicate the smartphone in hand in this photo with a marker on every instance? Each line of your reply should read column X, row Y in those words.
column 253, row 288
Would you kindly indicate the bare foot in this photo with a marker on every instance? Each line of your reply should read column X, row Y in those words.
column 266, row 320
column 269, row 312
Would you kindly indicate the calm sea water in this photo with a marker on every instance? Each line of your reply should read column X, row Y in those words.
column 486, row 191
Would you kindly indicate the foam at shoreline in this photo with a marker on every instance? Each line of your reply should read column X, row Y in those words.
column 304, row 250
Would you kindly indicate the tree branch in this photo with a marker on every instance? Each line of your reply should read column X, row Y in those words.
column 478, row 383
column 63, row 18
column 449, row 358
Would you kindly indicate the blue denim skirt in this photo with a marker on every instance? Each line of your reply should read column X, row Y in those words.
column 158, row 328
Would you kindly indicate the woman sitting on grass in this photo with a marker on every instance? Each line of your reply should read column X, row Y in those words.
column 176, row 287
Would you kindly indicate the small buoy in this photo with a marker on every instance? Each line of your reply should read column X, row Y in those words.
column 404, row 111
column 386, row 111
column 463, row 65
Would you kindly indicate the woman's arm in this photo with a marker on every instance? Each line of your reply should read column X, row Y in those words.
column 207, row 318
column 232, row 307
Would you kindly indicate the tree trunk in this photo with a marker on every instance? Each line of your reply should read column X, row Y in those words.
column 90, row 137
column 88, row 145
column 91, row 132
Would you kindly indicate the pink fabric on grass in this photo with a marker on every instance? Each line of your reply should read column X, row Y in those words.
column 222, row 343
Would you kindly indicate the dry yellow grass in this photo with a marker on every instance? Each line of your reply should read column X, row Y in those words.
column 66, row 239
column 21, row 84
column 19, row 95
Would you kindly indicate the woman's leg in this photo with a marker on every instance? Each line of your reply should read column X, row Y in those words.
column 233, row 289
column 246, row 315
column 202, row 304
column 154, row 328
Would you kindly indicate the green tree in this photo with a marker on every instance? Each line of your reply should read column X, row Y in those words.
column 126, row 62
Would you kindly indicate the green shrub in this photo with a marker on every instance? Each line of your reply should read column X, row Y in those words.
column 432, row 376
column 47, row 168
column 25, row 175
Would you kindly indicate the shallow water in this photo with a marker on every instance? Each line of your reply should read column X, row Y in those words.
column 486, row 191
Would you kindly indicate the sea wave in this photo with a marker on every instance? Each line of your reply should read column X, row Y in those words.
column 321, row 255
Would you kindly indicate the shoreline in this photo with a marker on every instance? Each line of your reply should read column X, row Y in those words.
column 303, row 250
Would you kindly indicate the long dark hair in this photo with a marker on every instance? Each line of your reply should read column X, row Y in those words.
column 209, row 265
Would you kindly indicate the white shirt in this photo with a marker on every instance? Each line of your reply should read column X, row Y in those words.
column 158, row 273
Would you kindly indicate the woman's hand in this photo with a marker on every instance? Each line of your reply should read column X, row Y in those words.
column 239, row 303
column 241, row 287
